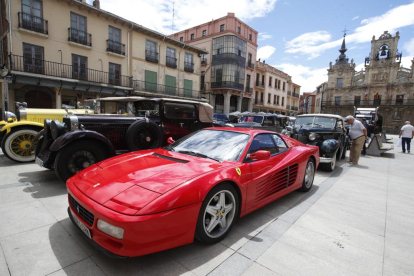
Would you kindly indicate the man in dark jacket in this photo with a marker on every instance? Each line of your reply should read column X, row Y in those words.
column 365, row 124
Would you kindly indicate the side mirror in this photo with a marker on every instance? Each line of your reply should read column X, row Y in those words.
column 170, row 140
column 260, row 155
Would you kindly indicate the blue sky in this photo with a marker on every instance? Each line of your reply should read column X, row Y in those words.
column 299, row 37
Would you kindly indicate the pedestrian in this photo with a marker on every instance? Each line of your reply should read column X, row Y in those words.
column 406, row 135
column 364, row 123
column 358, row 135
column 371, row 129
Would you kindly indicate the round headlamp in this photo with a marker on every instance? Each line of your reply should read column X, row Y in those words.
column 56, row 129
column 312, row 136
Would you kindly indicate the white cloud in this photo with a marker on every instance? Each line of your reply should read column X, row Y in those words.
column 317, row 42
column 308, row 78
column 157, row 14
column 265, row 52
column 356, row 17
column 264, row 36
column 406, row 62
column 409, row 46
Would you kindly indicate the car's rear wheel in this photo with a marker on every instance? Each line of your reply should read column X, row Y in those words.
column 19, row 145
column 329, row 167
column 77, row 156
column 218, row 214
column 309, row 176
column 143, row 135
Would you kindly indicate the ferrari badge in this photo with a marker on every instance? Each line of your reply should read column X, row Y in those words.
column 238, row 171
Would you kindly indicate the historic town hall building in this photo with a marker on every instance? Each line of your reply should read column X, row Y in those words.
column 383, row 83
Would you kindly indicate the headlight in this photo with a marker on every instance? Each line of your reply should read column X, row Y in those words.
column 111, row 230
column 71, row 122
column 312, row 136
column 56, row 129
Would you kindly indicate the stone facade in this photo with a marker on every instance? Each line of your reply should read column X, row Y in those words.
column 384, row 83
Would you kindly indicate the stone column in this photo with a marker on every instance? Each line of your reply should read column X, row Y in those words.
column 226, row 107
column 239, row 102
column 212, row 100
column 250, row 108
column 58, row 98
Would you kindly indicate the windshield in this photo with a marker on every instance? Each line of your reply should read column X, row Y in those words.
column 322, row 122
column 220, row 117
column 219, row 145
column 142, row 106
column 249, row 118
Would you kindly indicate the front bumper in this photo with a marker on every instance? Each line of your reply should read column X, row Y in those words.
column 142, row 234
column 325, row 160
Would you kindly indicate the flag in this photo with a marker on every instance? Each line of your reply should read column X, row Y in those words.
column 376, row 95
column 366, row 94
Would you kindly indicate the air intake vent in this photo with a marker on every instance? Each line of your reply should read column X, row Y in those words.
column 170, row 158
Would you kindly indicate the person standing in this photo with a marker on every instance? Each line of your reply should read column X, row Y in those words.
column 365, row 124
column 406, row 134
column 358, row 135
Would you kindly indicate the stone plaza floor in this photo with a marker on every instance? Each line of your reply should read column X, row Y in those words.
column 357, row 220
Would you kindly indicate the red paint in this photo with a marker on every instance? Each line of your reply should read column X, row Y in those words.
column 157, row 200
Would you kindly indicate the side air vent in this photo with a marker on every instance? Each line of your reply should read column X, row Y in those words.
column 170, row 158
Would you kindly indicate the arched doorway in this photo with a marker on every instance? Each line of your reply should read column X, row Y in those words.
column 38, row 99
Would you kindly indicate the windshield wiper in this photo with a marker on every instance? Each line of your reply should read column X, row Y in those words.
column 169, row 147
column 197, row 154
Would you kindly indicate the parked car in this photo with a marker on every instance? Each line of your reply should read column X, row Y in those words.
column 325, row 131
column 81, row 141
column 271, row 122
column 220, row 119
column 197, row 187
column 18, row 130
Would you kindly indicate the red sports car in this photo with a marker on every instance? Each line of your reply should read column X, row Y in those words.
column 147, row 201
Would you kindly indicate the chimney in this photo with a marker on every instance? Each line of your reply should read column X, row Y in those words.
column 96, row 4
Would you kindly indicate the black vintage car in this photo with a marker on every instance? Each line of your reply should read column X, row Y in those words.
column 271, row 122
column 142, row 123
column 325, row 131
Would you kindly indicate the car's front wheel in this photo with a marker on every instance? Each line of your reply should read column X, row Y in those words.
column 19, row 145
column 329, row 167
column 77, row 156
column 218, row 214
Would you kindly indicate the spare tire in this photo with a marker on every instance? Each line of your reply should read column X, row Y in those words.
column 143, row 134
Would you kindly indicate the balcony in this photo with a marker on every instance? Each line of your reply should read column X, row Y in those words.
column 151, row 56
column 33, row 23
column 248, row 90
column 171, row 62
column 78, row 36
column 260, row 84
column 203, row 61
column 258, row 102
column 115, row 47
column 189, row 67
column 289, row 93
column 296, row 95
column 250, row 65
column 370, row 103
column 227, row 84
column 156, row 88
column 60, row 70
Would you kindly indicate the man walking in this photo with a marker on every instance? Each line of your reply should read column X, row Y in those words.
column 358, row 135
column 406, row 134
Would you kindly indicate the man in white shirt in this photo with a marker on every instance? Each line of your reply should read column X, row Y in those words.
column 358, row 135
column 406, row 134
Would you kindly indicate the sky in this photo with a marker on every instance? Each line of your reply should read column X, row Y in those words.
column 298, row 37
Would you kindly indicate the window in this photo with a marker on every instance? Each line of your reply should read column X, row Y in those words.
column 280, row 144
column 277, row 100
column 170, row 85
column 399, row 100
column 270, row 81
column 203, row 59
column 283, row 101
column 79, row 67
column 278, row 84
column 78, row 29
column 283, row 86
column 248, row 83
column 338, row 82
column 397, row 115
column 268, row 98
column 337, row 100
column 188, row 62
column 202, row 80
column 222, row 28
column 192, row 36
column 114, row 74
column 150, row 81
column 275, row 83
column 151, row 51
column 179, row 110
column 261, row 97
column 250, row 37
column 357, row 100
column 274, row 99
column 204, row 33
column 32, row 15
column 114, row 40
column 263, row 142
column 188, row 88
column 171, row 61
column 238, row 30
column 33, row 58
column 181, row 39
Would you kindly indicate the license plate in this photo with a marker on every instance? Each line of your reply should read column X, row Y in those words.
column 39, row 161
column 81, row 225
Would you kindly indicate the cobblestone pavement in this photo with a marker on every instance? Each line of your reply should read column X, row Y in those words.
column 358, row 220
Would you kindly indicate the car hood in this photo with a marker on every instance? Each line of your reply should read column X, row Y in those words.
column 308, row 129
column 155, row 171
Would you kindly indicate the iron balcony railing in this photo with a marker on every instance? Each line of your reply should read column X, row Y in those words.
column 32, row 23
column 296, row 95
column 151, row 56
column 258, row 102
column 188, row 67
column 203, row 61
column 289, row 93
column 249, row 90
column 78, row 36
column 115, row 47
column 54, row 69
column 156, row 88
column 227, row 84
column 375, row 102
column 260, row 84
column 171, row 62
column 250, row 64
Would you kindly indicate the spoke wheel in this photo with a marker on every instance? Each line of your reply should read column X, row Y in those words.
column 309, row 176
column 217, row 214
column 19, row 145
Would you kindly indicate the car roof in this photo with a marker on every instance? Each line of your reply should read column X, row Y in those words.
column 320, row 115
column 250, row 131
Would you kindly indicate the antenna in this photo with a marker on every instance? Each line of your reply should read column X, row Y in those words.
column 172, row 27
column 344, row 31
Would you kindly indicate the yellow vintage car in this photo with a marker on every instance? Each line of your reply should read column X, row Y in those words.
column 17, row 131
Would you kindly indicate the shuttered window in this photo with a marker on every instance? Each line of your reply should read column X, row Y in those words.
column 188, row 88
column 170, row 86
column 150, row 81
